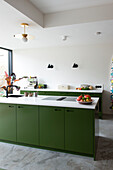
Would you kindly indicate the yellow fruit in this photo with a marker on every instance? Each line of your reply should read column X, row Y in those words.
column 91, row 87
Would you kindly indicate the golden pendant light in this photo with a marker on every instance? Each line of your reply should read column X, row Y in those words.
column 25, row 37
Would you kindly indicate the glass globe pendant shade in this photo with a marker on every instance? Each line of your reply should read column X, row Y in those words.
column 24, row 38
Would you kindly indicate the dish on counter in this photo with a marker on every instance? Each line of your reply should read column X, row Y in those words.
column 90, row 102
column 85, row 87
column 86, row 99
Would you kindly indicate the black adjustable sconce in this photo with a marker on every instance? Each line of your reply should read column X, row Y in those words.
column 50, row 66
column 75, row 65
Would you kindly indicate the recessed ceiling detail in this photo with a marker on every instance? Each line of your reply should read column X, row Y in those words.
column 50, row 6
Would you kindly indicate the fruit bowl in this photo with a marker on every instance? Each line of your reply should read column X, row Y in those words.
column 86, row 99
column 90, row 102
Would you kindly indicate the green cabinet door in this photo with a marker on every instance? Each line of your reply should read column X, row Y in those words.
column 79, row 130
column 8, row 122
column 51, row 127
column 27, row 124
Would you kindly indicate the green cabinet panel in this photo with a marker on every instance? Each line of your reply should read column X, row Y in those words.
column 51, row 127
column 27, row 124
column 79, row 130
column 8, row 122
column 22, row 91
column 69, row 129
column 51, row 93
column 41, row 93
column 56, row 93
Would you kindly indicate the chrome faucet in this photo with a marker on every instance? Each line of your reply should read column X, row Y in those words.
column 17, row 87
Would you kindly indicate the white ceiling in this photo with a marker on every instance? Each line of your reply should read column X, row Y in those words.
column 44, row 37
column 48, row 6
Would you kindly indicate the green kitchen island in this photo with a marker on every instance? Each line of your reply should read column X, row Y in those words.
column 48, row 123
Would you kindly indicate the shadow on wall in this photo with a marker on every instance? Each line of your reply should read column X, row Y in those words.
column 106, row 103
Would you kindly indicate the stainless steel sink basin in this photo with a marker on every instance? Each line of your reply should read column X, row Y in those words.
column 51, row 98
column 54, row 98
column 14, row 95
column 71, row 99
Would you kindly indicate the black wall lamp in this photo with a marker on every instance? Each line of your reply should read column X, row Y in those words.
column 75, row 65
column 50, row 66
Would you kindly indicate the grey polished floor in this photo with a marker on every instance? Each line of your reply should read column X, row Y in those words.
column 14, row 157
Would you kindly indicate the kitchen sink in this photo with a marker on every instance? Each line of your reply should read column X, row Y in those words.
column 54, row 98
column 14, row 95
column 71, row 99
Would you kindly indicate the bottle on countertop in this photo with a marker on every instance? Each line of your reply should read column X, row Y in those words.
column 36, row 85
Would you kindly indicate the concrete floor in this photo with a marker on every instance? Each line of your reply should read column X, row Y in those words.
column 14, row 157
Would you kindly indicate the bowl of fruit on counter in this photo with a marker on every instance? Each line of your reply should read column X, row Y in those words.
column 85, row 87
column 84, row 99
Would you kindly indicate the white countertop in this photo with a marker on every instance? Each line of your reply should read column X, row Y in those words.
column 70, row 90
column 39, row 101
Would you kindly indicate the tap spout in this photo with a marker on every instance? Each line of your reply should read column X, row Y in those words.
column 17, row 88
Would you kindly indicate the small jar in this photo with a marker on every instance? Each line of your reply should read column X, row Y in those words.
column 36, row 93
column 30, row 94
column 26, row 94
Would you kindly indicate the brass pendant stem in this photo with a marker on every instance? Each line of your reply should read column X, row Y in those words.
column 24, row 29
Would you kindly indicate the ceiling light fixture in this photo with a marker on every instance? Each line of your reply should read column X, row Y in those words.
column 64, row 37
column 25, row 37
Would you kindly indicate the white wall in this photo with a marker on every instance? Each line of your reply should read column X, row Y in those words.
column 93, row 61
